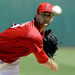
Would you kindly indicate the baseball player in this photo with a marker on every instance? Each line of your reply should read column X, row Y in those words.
column 23, row 39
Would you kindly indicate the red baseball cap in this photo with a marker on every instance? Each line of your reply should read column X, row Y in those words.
column 44, row 7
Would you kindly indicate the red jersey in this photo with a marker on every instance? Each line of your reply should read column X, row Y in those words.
column 21, row 40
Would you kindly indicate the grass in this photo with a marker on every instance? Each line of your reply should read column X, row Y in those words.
column 65, row 58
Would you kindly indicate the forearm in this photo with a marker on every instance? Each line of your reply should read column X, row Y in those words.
column 51, row 65
column 48, row 63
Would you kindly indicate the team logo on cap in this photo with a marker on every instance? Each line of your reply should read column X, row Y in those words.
column 48, row 7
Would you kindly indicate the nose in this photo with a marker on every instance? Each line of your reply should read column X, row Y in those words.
column 47, row 18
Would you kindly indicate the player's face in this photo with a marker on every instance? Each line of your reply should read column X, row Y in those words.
column 45, row 18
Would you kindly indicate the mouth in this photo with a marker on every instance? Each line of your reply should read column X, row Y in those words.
column 45, row 24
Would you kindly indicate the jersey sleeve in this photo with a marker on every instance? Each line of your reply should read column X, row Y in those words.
column 10, row 44
column 39, row 53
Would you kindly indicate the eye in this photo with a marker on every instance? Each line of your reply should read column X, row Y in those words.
column 42, row 14
column 45, row 14
column 48, row 14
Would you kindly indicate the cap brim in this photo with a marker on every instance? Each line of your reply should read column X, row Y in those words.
column 45, row 11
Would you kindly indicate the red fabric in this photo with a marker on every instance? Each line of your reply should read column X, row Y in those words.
column 21, row 40
column 45, row 7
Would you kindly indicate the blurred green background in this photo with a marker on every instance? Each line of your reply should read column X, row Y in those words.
column 64, row 58
column 63, row 26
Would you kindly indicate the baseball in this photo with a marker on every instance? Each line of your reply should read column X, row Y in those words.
column 56, row 10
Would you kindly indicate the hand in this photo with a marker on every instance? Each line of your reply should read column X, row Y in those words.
column 54, row 66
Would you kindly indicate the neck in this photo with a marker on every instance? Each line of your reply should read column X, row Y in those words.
column 42, row 28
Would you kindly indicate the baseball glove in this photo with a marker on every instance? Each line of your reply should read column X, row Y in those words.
column 50, row 43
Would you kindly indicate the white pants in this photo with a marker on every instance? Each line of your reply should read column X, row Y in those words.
column 11, row 69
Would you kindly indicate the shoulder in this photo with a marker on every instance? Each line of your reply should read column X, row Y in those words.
column 24, row 27
column 15, row 25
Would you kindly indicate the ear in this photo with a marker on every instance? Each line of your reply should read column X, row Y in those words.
column 36, row 14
